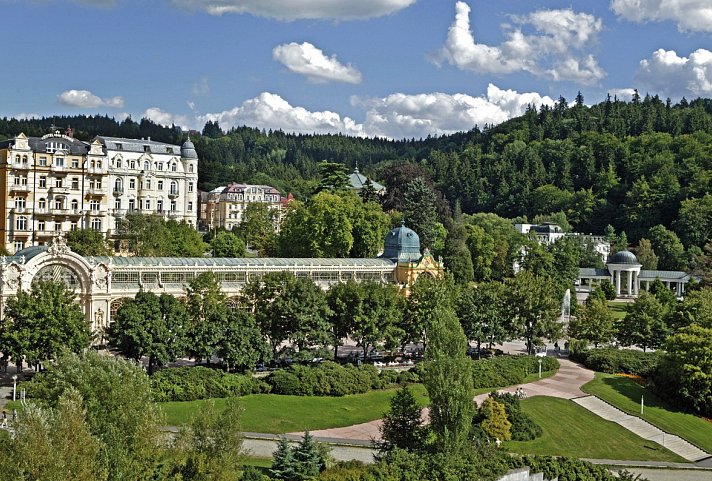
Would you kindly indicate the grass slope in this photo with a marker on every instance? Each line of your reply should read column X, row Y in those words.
column 625, row 395
column 570, row 430
column 277, row 414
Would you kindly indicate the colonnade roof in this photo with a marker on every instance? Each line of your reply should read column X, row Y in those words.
column 240, row 262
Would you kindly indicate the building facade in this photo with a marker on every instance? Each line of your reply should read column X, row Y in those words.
column 103, row 283
column 57, row 183
column 224, row 207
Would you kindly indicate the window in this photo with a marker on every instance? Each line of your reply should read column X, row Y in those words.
column 43, row 182
column 146, row 165
column 159, row 166
column 96, row 224
column 174, row 167
column 174, row 187
column 118, row 163
column 58, row 226
column 59, row 161
column 190, row 168
column 190, row 187
column 75, row 183
column 20, row 203
column 132, row 164
column 59, row 204
column 160, row 185
column 132, row 205
column 148, row 183
column 42, row 204
column 148, row 204
column 24, row 159
column 21, row 223
column 118, row 185
column 43, row 161
column 146, row 148
column 140, row 204
column 117, row 204
column 75, row 163
column 58, row 182
column 73, row 226
column 173, row 206
column 190, row 207
column 159, row 205
column 132, row 183
column 19, row 245
column 119, row 146
column 75, row 205
column 94, row 205
column 98, row 164
column 41, row 225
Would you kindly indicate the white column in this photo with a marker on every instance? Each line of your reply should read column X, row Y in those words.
column 635, row 283
column 618, row 282
column 630, row 282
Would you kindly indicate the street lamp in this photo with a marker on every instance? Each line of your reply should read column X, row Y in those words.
column 539, row 368
column 14, row 386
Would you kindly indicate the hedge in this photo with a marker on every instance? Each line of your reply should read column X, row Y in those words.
column 523, row 427
column 569, row 469
column 330, row 379
column 193, row 383
column 509, row 370
column 613, row 361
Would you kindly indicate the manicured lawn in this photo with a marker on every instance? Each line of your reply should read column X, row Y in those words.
column 273, row 413
column 570, row 430
column 625, row 395
column 618, row 309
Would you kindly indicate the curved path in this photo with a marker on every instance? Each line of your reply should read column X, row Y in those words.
column 566, row 384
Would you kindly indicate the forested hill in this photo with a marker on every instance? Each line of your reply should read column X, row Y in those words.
column 629, row 164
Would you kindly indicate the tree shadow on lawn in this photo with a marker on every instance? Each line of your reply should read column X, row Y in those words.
column 633, row 391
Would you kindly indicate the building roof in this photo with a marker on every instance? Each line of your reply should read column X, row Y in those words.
column 26, row 254
column 138, row 145
column 239, row 188
column 402, row 245
column 358, row 181
column 187, row 150
column 253, row 262
column 623, row 257
column 593, row 272
column 647, row 275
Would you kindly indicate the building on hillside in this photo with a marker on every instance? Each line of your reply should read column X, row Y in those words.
column 624, row 271
column 102, row 283
column 56, row 183
column 224, row 207
column 548, row 233
column 358, row 181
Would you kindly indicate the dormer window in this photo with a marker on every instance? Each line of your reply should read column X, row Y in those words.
column 119, row 146
column 174, row 167
column 146, row 148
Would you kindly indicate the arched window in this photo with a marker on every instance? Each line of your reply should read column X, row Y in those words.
column 58, row 273
column 17, row 159
column 59, row 204
column 75, row 205
column 190, row 168
column 24, row 159
column 146, row 165
column 118, row 185
column 174, row 167
column 96, row 224
column 174, row 188
column 20, row 203
column 42, row 204
column 21, row 223
column 132, row 164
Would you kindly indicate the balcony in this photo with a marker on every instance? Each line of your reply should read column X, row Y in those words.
column 20, row 166
column 21, row 189
column 173, row 194
column 119, row 212
column 20, row 210
column 118, row 191
column 74, row 212
column 174, row 214
column 56, row 190
column 59, row 169
column 97, row 171
column 95, row 192
column 96, row 213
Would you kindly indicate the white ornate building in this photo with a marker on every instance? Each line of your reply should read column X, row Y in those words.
column 57, row 183
column 224, row 207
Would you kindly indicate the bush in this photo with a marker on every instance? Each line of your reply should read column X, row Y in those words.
column 324, row 379
column 523, row 428
column 612, row 361
column 193, row 383
column 565, row 469
column 508, row 370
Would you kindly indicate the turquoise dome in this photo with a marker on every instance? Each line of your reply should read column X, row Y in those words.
column 402, row 245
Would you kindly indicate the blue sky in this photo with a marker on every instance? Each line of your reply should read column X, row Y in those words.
column 393, row 68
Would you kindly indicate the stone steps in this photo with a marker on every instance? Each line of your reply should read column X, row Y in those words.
column 642, row 428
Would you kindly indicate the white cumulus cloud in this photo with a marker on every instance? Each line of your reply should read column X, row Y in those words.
column 694, row 15
column 308, row 60
column 667, row 72
column 86, row 100
column 270, row 111
column 162, row 117
column 406, row 116
column 622, row 94
column 557, row 48
column 299, row 9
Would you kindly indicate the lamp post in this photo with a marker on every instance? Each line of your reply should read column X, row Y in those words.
column 539, row 368
column 14, row 387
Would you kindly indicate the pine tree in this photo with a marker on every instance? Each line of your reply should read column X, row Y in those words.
column 402, row 426
column 308, row 458
column 495, row 422
column 283, row 462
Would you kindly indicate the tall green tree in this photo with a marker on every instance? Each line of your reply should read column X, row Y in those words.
column 646, row 255
column 643, row 324
column 593, row 323
column 88, row 242
column 257, row 227
column 207, row 311
column 333, row 176
column 483, row 313
column 694, row 223
column 39, row 324
column 242, row 344
column 149, row 325
column 668, row 248
column 533, row 307
column 420, row 214
column 227, row 244
column 403, row 426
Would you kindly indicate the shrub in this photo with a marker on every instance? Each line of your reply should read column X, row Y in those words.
column 494, row 420
column 523, row 428
column 324, row 379
column 193, row 383
column 565, row 469
column 409, row 376
column 628, row 361
column 508, row 370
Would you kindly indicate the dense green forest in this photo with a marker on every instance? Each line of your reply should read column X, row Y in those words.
column 633, row 165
